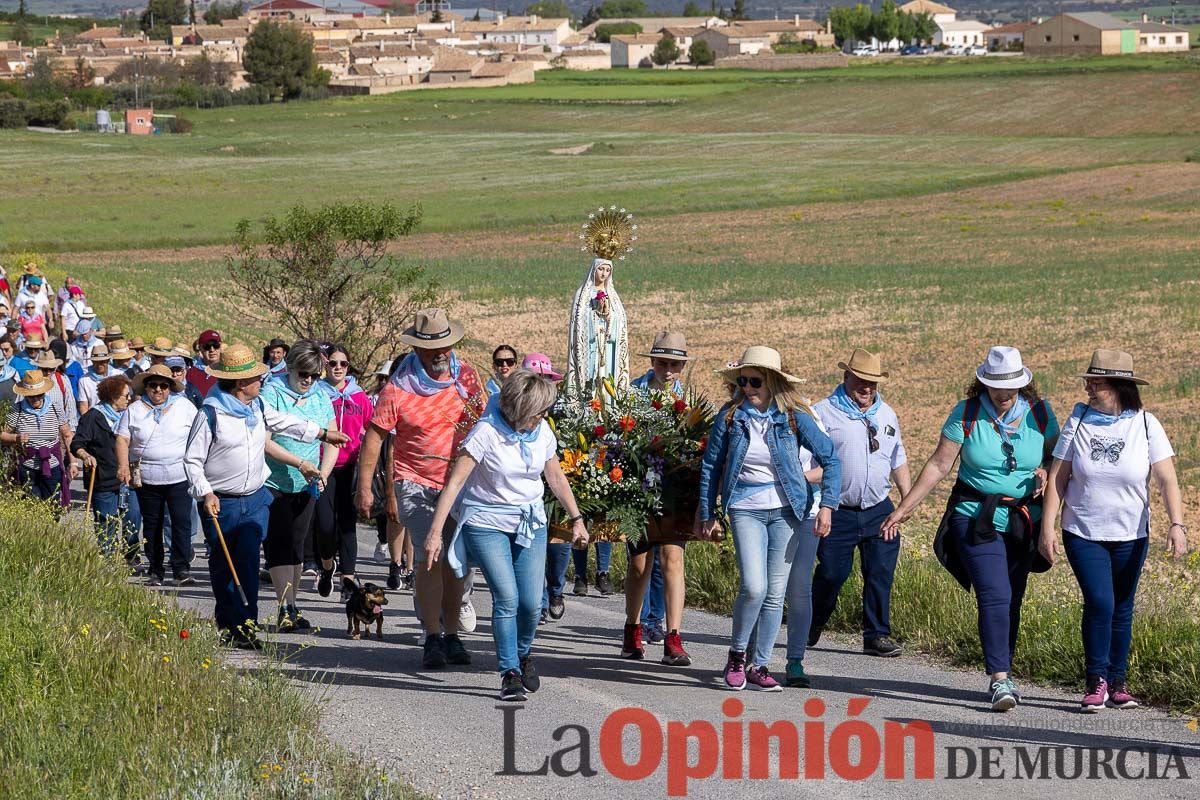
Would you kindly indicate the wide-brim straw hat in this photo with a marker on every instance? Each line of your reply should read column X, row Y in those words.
column 138, row 384
column 1115, row 365
column 100, row 353
column 865, row 366
column 32, row 383
column 47, row 361
column 759, row 357
column 238, row 362
column 35, row 343
column 669, row 346
column 1003, row 369
column 432, row 329
column 119, row 350
column 137, row 343
column 162, row 347
column 114, row 332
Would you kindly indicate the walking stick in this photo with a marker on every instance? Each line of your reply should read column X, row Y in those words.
column 91, row 485
column 229, row 561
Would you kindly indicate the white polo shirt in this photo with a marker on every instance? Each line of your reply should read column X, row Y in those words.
column 159, row 446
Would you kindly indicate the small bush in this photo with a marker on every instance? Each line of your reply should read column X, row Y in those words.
column 700, row 54
column 605, row 32
column 49, row 113
column 14, row 113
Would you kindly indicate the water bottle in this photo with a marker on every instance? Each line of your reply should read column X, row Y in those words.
column 314, row 488
column 123, row 498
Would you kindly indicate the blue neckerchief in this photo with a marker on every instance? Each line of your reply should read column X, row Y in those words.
column 96, row 376
column 222, row 400
column 281, row 382
column 644, row 383
column 25, row 407
column 6, row 371
column 158, row 411
column 111, row 414
column 492, row 386
column 1093, row 417
column 843, row 402
column 754, row 412
column 352, row 388
column 1010, row 425
column 523, row 438
column 412, row 377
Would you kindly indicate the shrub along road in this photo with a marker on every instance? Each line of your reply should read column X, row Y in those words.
column 443, row 731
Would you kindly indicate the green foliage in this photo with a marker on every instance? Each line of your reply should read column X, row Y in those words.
column 280, row 57
column 622, row 8
column 218, row 11
column 549, row 9
column 789, row 43
column 850, row 24
column 666, row 51
column 21, row 32
column 701, row 54
column 14, row 112
column 206, row 71
column 885, row 24
column 739, row 10
column 607, row 30
column 326, row 274
column 160, row 15
column 691, row 9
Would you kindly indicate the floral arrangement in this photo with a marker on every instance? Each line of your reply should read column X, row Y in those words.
column 633, row 458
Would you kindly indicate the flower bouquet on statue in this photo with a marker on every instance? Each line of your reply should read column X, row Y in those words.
column 601, row 304
column 633, row 462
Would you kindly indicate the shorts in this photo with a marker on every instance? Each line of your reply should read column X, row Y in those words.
column 415, row 505
column 644, row 545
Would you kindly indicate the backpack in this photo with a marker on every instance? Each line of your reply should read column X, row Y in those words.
column 210, row 415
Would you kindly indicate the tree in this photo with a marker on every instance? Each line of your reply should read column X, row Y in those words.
column 590, row 16
column 850, row 24
column 218, row 11
column 605, row 31
column 21, row 31
column 325, row 274
column 700, row 54
column 739, row 10
column 280, row 57
column 925, row 27
column 885, row 26
column 83, row 75
column 192, row 12
column 693, row 10
column 206, row 71
column 611, row 9
column 908, row 28
column 666, row 51
column 160, row 15
column 549, row 9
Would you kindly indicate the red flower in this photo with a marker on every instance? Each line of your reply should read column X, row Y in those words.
column 628, row 424
column 595, row 405
column 657, row 404
column 680, row 406
column 616, row 474
column 703, row 442
column 599, row 430
column 183, row 634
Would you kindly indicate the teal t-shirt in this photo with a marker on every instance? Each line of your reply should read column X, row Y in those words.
column 316, row 407
column 983, row 468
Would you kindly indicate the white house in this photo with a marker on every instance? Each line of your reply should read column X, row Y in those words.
column 1158, row 37
column 531, row 31
column 965, row 32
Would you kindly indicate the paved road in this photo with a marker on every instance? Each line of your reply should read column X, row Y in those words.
column 443, row 732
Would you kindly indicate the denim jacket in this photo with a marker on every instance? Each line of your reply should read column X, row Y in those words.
column 726, row 450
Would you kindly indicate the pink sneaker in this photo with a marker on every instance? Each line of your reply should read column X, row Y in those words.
column 760, row 680
column 1096, row 694
column 735, row 671
column 1120, row 697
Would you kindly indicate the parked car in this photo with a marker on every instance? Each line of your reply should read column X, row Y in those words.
column 956, row 50
column 864, row 50
column 928, row 49
column 976, row 50
column 911, row 50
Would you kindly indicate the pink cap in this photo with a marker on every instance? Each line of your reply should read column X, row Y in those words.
column 75, row 290
column 540, row 363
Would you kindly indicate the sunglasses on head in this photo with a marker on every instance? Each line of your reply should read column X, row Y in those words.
column 1010, row 457
column 873, row 434
column 743, row 382
column 504, row 362
column 339, row 364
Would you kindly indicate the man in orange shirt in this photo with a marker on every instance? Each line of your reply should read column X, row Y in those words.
column 432, row 401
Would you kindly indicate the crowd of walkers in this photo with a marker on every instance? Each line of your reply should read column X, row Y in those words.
column 276, row 458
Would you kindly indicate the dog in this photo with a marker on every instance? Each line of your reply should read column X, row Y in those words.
column 364, row 606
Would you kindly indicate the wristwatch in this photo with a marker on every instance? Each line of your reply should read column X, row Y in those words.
column 1179, row 525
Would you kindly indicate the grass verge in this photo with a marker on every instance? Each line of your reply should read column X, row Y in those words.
column 105, row 697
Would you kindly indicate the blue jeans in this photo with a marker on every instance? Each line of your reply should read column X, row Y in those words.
column 999, row 570
column 761, row 540
column 801, row 553
column 243, row 521
column 515, row 576
column 850, row 530
column 1108, row 574
column 558, row 555
column 654, row 602
column 43, row 487
column 116, row 531
column 603, row 559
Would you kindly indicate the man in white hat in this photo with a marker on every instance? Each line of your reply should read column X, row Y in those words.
column 866, row 436
column 101, row 369
column 80, row 348
column 431, row 402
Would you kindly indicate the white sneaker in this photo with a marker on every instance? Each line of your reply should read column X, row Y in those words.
column 381, row 553
column 466, row 617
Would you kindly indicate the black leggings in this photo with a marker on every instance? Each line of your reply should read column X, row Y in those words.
column 288, row 527
column 337, row 518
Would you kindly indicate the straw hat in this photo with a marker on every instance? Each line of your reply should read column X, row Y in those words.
column 432, row 329
column 30, row 269
column 114, row 332
column 119, row 350
column 137, row 343
column 33, row 382
column 35, row 343
column 138, row 384
column 1116, row 365
column 47, row 361
column 162, row 347
column 865, row 366
column 759, row 357
column 100, row 353
column 238, row 362
column 87, row 313
column 669, row 346
column 1003, row 369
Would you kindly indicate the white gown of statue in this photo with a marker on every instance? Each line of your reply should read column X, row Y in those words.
column 598, row 344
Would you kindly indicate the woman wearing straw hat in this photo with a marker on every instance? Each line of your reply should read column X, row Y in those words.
column 987, row 538
column 151, row 439
column 122, row 359
column 1109, row 449
column 752, row 463
column 95, row 445
column 40, row 429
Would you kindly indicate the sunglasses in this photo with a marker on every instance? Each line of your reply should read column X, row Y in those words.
column 128, row 396
column 1010, row 458
column 339, row 364
column 504, row 362
column 211, row 346
column 156, row 386
column 873, row 434
column 308, row 376
column 743, row 382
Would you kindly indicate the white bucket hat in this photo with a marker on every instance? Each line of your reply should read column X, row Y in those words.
column 1003, row 369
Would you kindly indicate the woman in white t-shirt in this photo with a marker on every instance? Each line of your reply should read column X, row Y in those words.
column 495, row 490
column 1105, row 456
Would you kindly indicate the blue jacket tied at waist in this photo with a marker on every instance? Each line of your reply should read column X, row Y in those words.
column 533, row 519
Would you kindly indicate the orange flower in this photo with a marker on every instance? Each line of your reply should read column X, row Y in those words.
column 627, row 423
column 596, row 405
column 616, row 474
